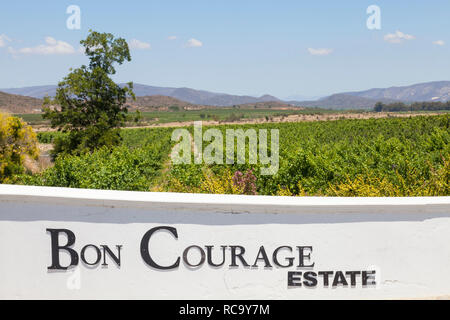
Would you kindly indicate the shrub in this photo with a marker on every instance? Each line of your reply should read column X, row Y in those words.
column 368, row 185
column 119, row 168
column 224, row 182
column 17, row 140
column 245, row 182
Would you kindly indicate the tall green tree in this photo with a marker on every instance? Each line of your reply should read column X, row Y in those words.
column 89, row 106
column 379, row 107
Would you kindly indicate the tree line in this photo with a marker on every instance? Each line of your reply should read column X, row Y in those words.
column 416, row 106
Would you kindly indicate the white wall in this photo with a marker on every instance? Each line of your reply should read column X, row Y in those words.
column 406, row 240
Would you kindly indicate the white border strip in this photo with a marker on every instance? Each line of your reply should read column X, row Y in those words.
column 224, row 203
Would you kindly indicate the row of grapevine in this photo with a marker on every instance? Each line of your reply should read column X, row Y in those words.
column 370, row 157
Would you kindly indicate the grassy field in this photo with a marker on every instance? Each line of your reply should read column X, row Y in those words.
column 222, row 114
column 216, row 114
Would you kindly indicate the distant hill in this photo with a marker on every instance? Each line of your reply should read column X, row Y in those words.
column 342, row 102
column 192, row 96
column 12, row 103
column 38, row 92
column 429, row 91
column 200, row 97
column 149, row 103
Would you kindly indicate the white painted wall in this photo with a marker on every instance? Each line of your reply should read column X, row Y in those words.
column 405, row 239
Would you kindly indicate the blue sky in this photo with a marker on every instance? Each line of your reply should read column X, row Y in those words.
column 250, row 47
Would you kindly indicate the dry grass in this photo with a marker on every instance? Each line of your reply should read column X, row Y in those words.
column 42, row 163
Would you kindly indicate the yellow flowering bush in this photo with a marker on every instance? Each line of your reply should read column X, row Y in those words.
column 210, row 183
column 17, row 140
column 369, row 185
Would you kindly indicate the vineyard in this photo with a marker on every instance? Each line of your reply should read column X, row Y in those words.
column 371, row 157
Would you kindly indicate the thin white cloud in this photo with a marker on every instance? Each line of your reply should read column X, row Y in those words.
column 172, row 38
column 320, row 51
column 4, row 40
column 194, row 43
column 398, row 37
column 51, row 47
column 137, row 44
column 439, row 42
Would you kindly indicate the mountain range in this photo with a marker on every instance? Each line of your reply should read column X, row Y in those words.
column 342, row 101
column 430, row 91
column 200, row 97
